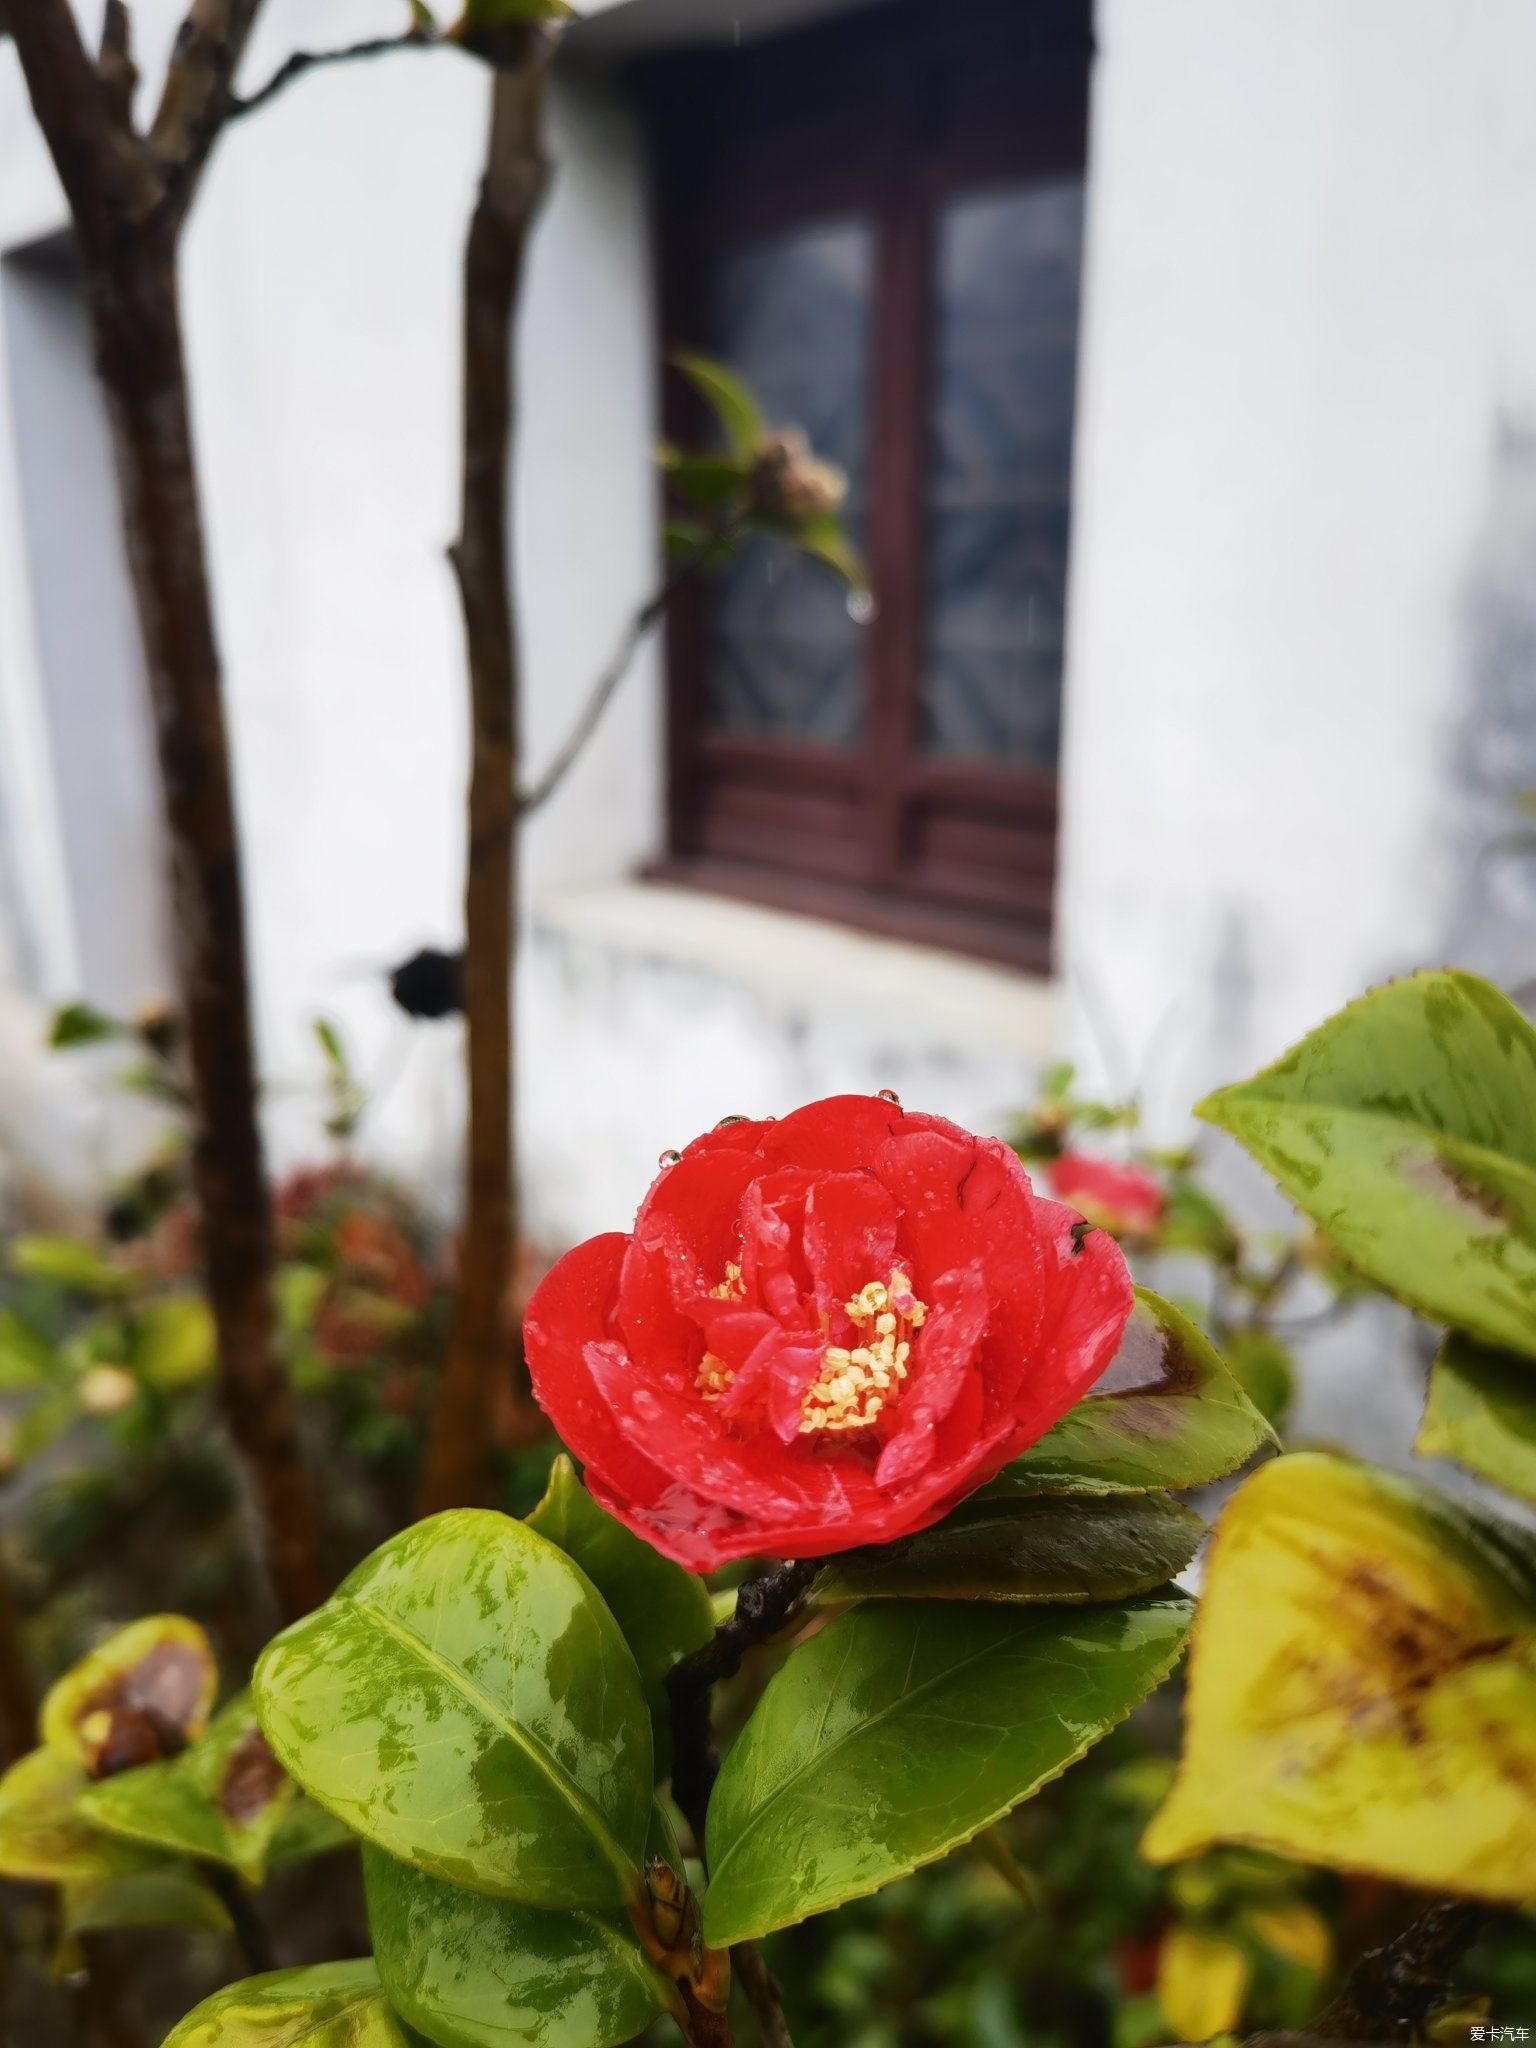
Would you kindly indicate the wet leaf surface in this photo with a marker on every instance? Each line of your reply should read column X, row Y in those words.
column 475, row 1972
column 465, row 1702
column 1405, row 1127
column 336, row 2005
column 904, row 1728
column 1166, row 1413
column 1045, row 1549
column 1362, row 1688
column 664, row 1612
column 1482, row 1413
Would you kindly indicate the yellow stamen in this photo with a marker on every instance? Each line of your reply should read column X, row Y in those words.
column 855, row 1384
column 714, row 1374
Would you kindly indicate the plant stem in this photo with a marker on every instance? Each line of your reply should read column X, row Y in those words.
column 480, row 1350
column 250, row 1930
column 763, row 1605
column 300, row 61
column 633, row 638
column 18, row 1706
column 1393, row 1988
column 763, row 1995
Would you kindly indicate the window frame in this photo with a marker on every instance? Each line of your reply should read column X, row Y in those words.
column 883, row 115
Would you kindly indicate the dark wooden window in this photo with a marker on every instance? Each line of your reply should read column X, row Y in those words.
column 879, row 221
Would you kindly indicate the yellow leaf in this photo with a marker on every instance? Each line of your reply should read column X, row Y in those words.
column 1202, row 1980
column 142, row 1695
column 1297, row 1932
column 44, row 1838
column 1362, row 1688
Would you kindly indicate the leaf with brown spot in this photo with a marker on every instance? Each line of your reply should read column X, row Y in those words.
column 223, row 1801
column 1362, row 1688
column 140, row 1697
column 1405, row 1127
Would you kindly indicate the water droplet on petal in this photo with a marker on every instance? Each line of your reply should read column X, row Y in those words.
column 736, row 1118
column 861, row 607
column 668, row 1158
column 889, row 1095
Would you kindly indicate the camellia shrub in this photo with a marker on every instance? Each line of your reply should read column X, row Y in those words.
column 917, row 1415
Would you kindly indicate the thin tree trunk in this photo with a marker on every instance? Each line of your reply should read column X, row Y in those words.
column 482, row 1348
column 136, row 314
column 128, row 197
column 18, row 1706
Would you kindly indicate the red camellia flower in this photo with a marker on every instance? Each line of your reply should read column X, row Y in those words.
column 1125, row 1199
column 823, row 1332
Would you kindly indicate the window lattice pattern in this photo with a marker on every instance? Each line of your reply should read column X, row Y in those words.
column 792, row 315
column 999, row 472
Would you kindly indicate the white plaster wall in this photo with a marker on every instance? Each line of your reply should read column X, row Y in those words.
column 1310, row 330
column 322, row 304
column 1306, row 488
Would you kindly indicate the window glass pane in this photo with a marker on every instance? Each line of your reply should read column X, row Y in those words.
column 792, row 315
column 999, row 472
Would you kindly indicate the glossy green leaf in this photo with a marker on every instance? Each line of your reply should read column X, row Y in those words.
column 466, row 1702
column 1405, row 1127
column 77, row 1024
column 706, row 481
column 69, row 1263
column 44, row 1837
column 173, row 1344
column 1482, row 1413
column 822, row 537
column 903, row 1729
column 42, row 1423
column 474, row 1972
column 141, row 1695
column 1165, row 1413
column 664, row 1612
column 168, row 1896
column 728, row 398
column 1265, row 1370
column 1046, row 1549
column 334, row 2005
column 27, row 1359
column 223, row 1799
column 488, row 17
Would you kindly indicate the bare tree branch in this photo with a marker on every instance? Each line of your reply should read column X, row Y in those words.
column 481, row 1349
column 604, row 689
column 300, row 61
column 763, row 1995
column 1392, row 1989
column 199, row 90
column 106, row 176
column 119, row 73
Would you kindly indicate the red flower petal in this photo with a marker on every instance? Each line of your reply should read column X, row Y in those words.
column 677, row 1365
